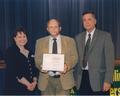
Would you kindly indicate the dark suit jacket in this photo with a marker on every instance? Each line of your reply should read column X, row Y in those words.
column 18, row 66
column 100, row 59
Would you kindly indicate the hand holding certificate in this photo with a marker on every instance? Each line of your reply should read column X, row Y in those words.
column 53, row 62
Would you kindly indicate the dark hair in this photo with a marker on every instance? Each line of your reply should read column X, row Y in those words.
column 89, row 12
column 19, row 29
column 57, row 20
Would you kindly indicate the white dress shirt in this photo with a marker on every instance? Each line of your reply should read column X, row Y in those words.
column 58, row 40
column 86, row 38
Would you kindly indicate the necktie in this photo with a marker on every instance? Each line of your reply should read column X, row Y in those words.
column 54, row 49
column 86, row 50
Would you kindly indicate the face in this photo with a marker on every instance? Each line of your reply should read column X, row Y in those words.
column 53, row 28
column 20, row 39
column 89, row 22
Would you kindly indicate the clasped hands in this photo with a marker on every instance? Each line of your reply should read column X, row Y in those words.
column 31, row 86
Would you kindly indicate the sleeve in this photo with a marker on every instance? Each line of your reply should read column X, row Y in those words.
column 35, row 70
column 109, row 58
column 21, row 71
column 38, row 55
column 10, row 60
column 73, row 55
column 20, row 65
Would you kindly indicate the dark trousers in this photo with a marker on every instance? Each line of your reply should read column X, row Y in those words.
column 85, row 87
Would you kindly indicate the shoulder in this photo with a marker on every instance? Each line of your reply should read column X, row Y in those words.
column 79, row 35
column 12, row 48
column 66, row 37
column 103, row 33
column 12, row 53
column 42, row 39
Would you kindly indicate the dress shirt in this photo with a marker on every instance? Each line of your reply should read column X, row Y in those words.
column 58, row 40
column 86, row 38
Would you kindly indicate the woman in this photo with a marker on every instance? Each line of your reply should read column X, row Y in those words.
column 20, row 72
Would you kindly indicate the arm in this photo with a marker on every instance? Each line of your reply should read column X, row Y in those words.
column 73, row 56
column 109, row 60
column 38, row 55
column 23, row 81
column 13, row 63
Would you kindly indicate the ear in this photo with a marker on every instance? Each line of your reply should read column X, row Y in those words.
column 47, row 28
column 14, row 38
column 60, row 28
column 95, row 22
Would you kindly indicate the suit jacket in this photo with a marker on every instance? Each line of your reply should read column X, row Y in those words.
column 18, row 66
column 100, row 59
column 70, row 52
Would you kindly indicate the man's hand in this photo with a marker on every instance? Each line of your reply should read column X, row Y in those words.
column 65, row 68
column 43, row 71
column 106, row 86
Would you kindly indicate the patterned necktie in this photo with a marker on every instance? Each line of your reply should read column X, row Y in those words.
column 86, row 50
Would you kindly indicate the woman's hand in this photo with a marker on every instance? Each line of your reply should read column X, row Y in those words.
column 32, row 86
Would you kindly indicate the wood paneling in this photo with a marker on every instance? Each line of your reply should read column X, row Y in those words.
column 2, row 64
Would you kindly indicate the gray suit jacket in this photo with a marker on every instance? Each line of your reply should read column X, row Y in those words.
column 70, row 52
column 100, row 59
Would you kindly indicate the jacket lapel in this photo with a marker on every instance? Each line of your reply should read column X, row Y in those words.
column 83, row 43
column 94, row 40
column 63, row 45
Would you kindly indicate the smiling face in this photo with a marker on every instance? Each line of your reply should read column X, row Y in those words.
column 89, row 21
column 53, row 27
column 20, row 39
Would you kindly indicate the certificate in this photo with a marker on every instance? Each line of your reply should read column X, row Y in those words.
column 53, row 62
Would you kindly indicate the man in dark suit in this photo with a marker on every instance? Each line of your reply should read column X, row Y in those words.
column 96, row 58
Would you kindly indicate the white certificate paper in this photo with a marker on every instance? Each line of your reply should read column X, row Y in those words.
column 53, row 62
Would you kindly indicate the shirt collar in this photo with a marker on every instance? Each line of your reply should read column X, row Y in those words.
column 92, row 32
column 57, row 38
